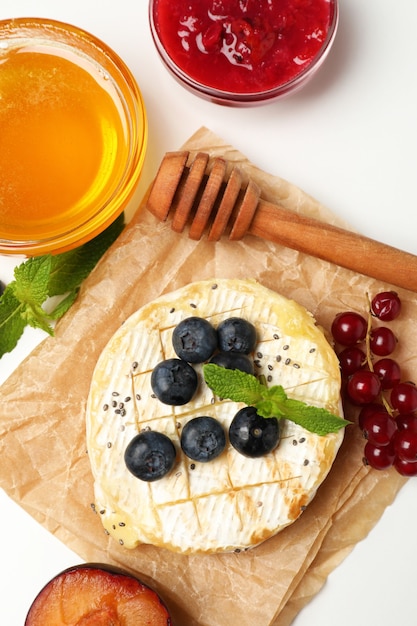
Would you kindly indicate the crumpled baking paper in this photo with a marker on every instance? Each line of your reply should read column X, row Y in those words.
column 45, row 466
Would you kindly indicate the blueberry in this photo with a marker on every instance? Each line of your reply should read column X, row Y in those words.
column 253, row 435
column 203, row 439
column 150, row 455
column 194, row 339
column 174, row 382
column 234, row 361
column 236, row 335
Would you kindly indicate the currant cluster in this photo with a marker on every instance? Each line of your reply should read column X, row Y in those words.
column 373, row 382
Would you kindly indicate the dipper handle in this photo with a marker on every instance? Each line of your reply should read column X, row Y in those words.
column 208, row 196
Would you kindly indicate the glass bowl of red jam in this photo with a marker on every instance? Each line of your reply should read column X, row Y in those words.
column 73, row 134
column 243, row 52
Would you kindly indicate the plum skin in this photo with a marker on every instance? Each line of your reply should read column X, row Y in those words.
column 116, row 574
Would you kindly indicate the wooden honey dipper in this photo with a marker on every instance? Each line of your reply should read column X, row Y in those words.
column 210, row 197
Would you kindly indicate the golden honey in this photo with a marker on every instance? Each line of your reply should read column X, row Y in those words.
column 68, row 157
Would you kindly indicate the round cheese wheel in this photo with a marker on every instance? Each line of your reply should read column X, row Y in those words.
column 232, row 502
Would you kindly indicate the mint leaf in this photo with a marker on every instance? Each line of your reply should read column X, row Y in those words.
column 31, row 280
column 69, row 269
column 315, row 419
column 233, row 384
column 12, row 323
column 39, row 278
column 63, row 306
column 35, row 316
column 270, row 401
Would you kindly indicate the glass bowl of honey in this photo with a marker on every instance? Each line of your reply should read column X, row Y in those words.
column 243, row 53
column 73, row 131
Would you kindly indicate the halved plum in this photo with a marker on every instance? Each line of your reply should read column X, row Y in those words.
column 94, row 594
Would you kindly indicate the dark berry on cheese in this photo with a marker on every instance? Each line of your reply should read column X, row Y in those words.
column 194, row 340
column 234, row 361
column 150, row 455
column 203, row 439
column 253, row 435
column 236, row 335
column 174, row 382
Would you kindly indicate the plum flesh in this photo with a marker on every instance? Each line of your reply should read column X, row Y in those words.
column 97, row 595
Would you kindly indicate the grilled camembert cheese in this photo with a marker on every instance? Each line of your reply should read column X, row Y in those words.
column 232, row 502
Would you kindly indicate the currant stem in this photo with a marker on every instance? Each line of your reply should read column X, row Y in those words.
column 368, row 336
column 369, row 359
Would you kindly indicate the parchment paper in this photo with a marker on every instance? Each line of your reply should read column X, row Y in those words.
column 45, row 466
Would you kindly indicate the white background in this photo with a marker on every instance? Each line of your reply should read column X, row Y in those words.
column 349, row 138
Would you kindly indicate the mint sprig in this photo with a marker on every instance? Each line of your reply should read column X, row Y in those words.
column 270, row 401
column 40, row 278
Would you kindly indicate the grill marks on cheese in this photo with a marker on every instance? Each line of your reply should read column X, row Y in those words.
column 231, row 503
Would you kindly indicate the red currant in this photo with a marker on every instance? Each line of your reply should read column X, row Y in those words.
column 379, row 428
column 404, row 398
column 382, row 341
column 405, row 468
column 349, row 328
column 378, row 457
column 389, row 372
column 369, row 409
column 363, row 387
column 351, row 359
column 407, row 422
column 405, row 445
column 386, row 305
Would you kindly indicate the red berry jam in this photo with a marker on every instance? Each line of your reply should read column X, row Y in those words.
column 242, row 47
